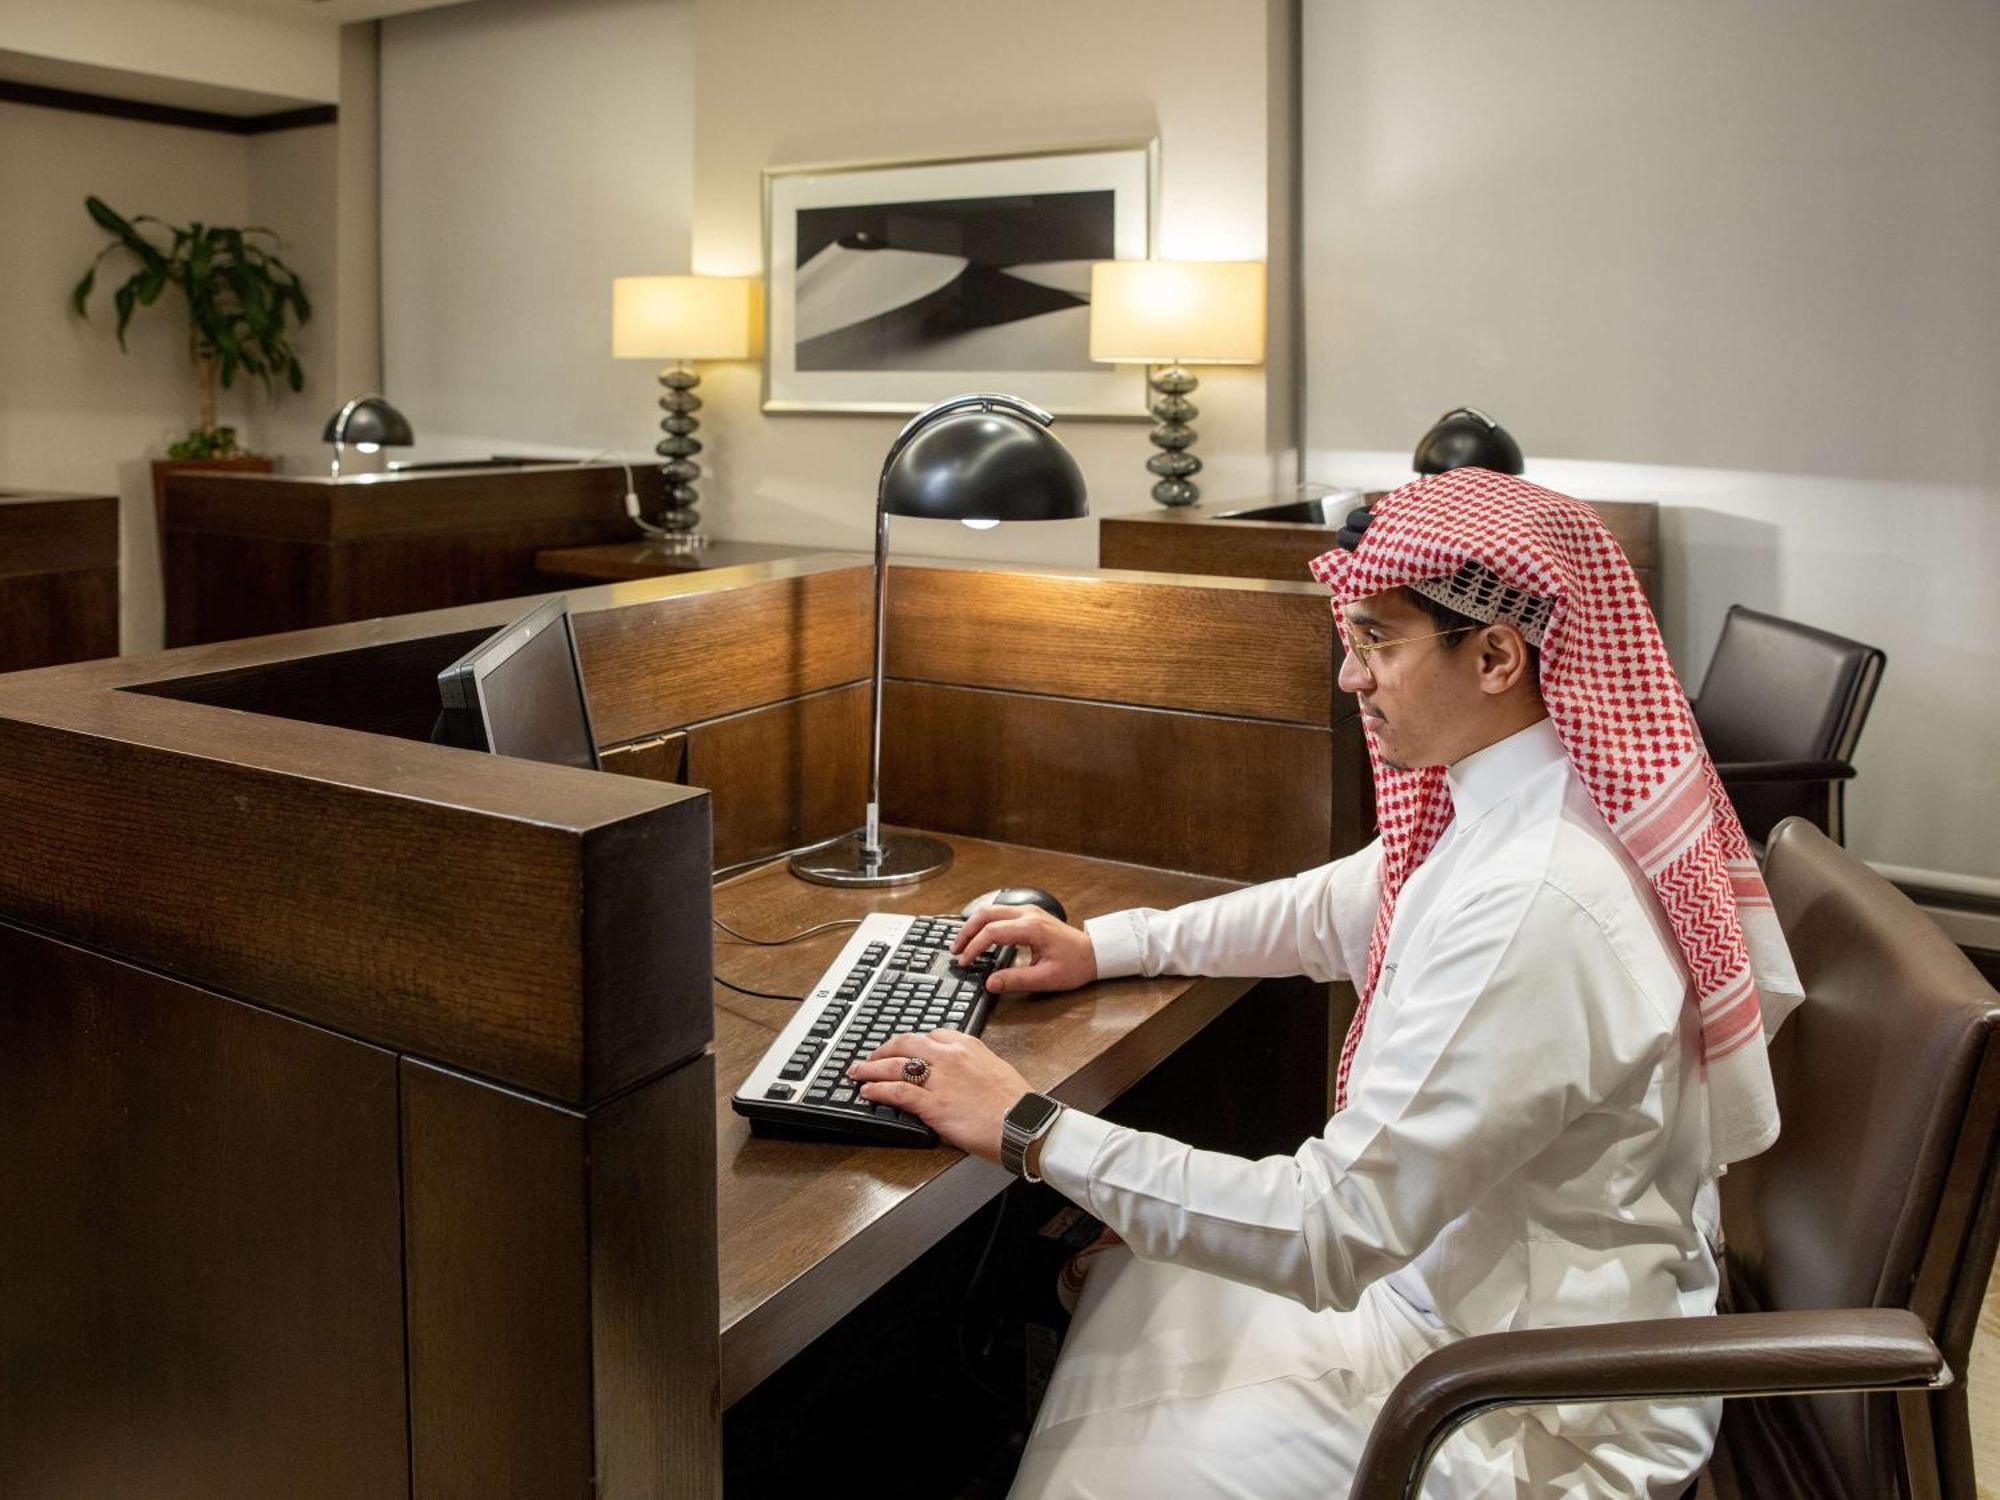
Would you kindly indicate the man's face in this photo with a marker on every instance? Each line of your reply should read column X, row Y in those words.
column 1422, row 698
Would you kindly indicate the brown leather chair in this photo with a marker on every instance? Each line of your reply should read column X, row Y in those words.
column 1859, row 1246
column 1781, row 708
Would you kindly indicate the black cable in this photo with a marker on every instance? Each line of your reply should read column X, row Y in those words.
column 965, row 1307
column 760, row 994
column 744, row 937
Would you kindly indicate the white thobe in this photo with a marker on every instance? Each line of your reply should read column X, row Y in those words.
column 1525, row 1140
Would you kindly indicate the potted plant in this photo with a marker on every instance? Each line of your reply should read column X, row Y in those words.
column 243, row 305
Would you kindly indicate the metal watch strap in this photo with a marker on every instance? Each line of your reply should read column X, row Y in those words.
column 1014, row 1141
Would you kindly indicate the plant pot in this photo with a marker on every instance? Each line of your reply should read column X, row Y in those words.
column 243, row 463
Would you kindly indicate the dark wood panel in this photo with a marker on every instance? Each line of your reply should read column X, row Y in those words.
column 447, row 919
column 653, row 1290
column 387, row 689
column 663, row 757
column 50, row 618
column 319, row 508
column 400, row 575
column 202, row 1294
column 1223, row 646
column 497, row 1249
column 1249, row 549
column 1243, row 799
column 785, row 775
column 808, row 1229
column 57, row 533
column 614, row 562
column 221, row 588
column 668, row 661
column 1198, row 540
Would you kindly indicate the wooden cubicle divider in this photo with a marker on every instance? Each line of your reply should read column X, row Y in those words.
column 1204, row 539
column 58, row 578
column 253, row 554
column 357, row 1087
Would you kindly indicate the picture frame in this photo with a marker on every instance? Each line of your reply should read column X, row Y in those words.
column 891, row 285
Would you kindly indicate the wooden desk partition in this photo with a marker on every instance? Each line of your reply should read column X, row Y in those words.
column 58, row 578
column 356, row 1092
column 254, row 554
column 1196, row 539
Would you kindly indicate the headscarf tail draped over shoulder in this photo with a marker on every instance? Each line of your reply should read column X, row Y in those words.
column 1622, row 716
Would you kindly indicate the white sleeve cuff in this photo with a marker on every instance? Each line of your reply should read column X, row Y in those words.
column 1115, row 940
column 1069, row 1149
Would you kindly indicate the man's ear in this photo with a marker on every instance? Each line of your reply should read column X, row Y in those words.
column 1503, row 659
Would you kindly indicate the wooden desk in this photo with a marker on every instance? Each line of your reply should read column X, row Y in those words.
column 253, row 554
column 58, row 578
column 807, row 1230
column 614, row 562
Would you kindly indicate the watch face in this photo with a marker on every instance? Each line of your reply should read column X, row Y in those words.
column 1031, row 1113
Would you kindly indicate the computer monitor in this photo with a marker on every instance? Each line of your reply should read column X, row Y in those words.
column 520, row 693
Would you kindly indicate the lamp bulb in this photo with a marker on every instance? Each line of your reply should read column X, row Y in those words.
column 979, row 525
column 367, row 447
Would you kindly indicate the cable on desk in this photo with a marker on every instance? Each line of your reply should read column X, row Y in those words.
column 765, row 859
column 744, row 937
column 760, row 994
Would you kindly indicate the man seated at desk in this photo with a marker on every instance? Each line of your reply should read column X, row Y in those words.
column 1567, row 965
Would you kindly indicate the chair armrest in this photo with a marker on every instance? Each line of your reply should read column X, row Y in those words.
column 1733, row 1354
column 1739, row 771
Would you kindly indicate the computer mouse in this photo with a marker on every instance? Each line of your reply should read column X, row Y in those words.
column 1019, row 895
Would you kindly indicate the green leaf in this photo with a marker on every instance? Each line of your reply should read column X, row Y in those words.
column 123, row 298
column 109, row 219
column 82, row 292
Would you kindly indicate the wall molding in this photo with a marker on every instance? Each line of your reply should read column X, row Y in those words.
column 166, row 114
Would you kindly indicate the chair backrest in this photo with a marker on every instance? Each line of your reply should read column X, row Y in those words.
column 1879, row 1191
column 1778, row 690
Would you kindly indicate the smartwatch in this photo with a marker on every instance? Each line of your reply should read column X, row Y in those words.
column 1027, row 1122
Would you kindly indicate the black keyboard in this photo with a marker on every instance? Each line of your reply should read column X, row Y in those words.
column 895, row 974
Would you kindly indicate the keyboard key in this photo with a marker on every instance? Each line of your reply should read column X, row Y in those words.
column 778, row 1091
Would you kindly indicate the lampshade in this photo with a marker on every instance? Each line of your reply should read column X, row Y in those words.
column 984, row 465
column 370, row 420
column 683, row 317
column 1208, row 312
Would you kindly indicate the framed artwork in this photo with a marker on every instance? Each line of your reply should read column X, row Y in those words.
column 892, row 285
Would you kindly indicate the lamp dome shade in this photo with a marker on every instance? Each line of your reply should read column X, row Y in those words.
column 369, row 420
column 1466, row 438
column 984, row 465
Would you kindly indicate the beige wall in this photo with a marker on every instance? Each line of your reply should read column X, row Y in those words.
column 531, row 152
column 75, row 413
column 778, row 82
column 1738, row 258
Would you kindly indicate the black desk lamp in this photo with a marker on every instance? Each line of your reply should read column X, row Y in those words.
column 983, row 458
column 369, row 423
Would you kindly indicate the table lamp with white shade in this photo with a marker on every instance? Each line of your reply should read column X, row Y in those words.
column 682, row 319
column 1176, row 313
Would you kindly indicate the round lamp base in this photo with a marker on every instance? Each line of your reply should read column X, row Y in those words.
column 905, row 859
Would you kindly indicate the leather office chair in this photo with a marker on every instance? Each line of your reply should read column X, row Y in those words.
column 1780, row 708
column 1859, row 1246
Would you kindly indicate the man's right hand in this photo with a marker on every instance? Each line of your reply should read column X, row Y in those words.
column 1060, row 957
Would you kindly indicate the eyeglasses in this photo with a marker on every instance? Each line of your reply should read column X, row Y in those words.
column 1364, row 651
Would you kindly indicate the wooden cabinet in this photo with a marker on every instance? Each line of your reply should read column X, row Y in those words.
column 58, row 578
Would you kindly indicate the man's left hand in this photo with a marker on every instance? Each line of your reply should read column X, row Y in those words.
column 966, row 1096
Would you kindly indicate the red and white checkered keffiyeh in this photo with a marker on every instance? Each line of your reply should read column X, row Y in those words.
column 1619, row 709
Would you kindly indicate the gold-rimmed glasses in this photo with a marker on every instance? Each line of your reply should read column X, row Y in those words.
column 1363, row 652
